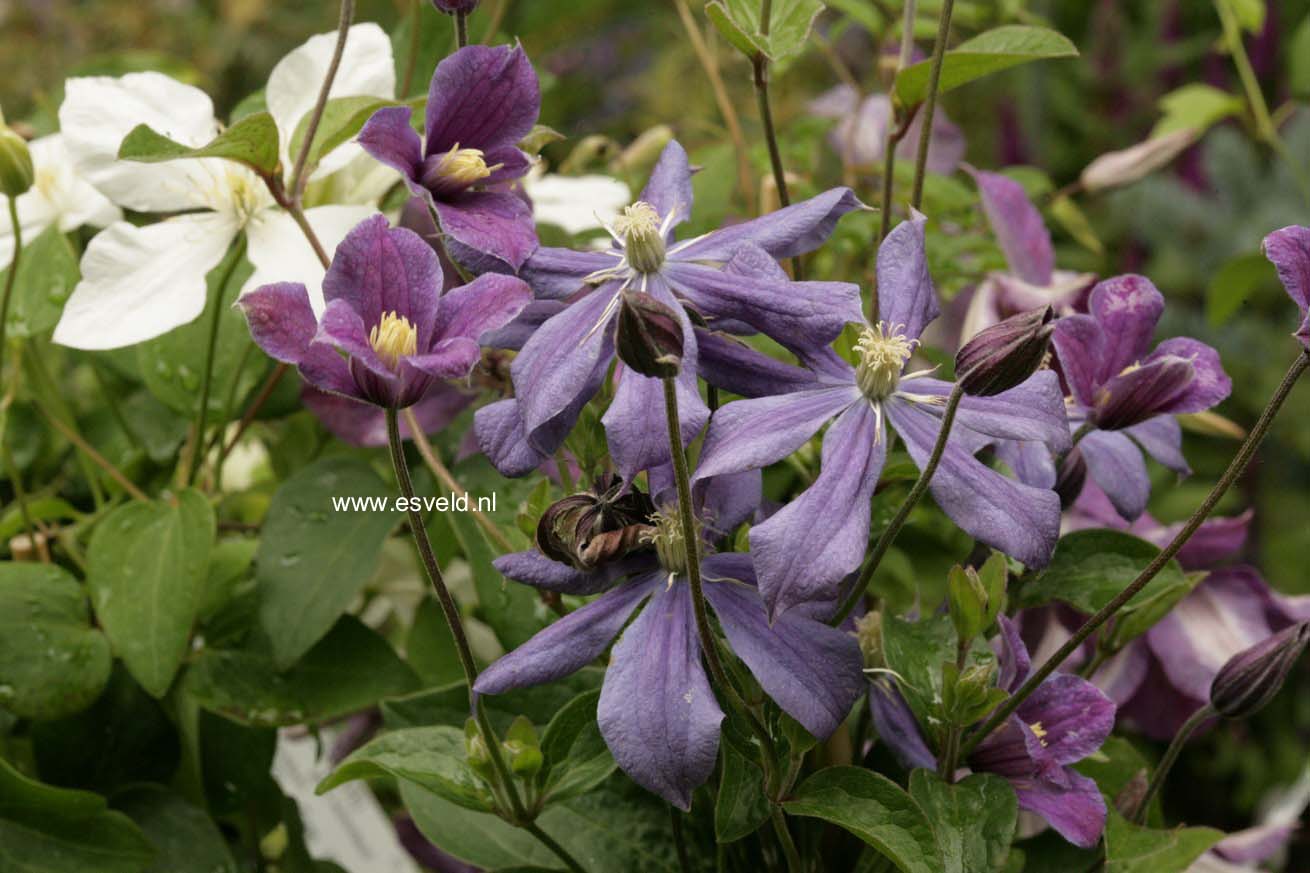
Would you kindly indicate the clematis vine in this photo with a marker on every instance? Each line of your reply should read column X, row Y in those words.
column 141, row 281
column 386, row 336
column 482, row 101
column 657, row 711
column 729, row 277
column 804, row 551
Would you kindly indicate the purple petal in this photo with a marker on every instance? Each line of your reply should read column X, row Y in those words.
column 494, row 223
column 669, row 187
column 905, row 291
column 896, row 726
column 1031, row 463
column 488, row 303
column 1077, row 341
column 805, row 550
column 1289, row 251
column 482, row 97
column 281, row 321
column 555, row 273
column 390, row 139
column 727, row 501
column 731, row 365
column 1115, row 463
column 1158, row 386
column 516, row 334
column 1022, row 521
column 378, row 269
column 945, row 150
column 323, row 367
column 1254, row 845
column 363, row 424
column 1033, row 411
column 343, row 328
column 1162, row 438
column 1011, row 654
column 1068, row 801
column 1211, row 385
column 503, row 438
column 1018, row 226
column 1122, row 674
column 1127, row 309
column 790, row 231
column 452, row 358
column 1075, row 717
column 535, row 569
column 569, row 644
column 813, row 671
column 1217, row 539
column 657, row 712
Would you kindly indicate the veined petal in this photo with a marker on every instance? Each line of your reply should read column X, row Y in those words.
column 1116, row 465
column 281, row 321
column 1033, row 411
column 488, row 303
column 1077, row 342
column 279, row 251
column 503, row 438
column 363, row 424
column 535, row 569
column 905, row 290
column 1162, row 438
column 379, row 269
column 1018, row 227
column 896, row 726
column 1073, row 715
column 495, row 223
column 1289, row 251
column 140, row 282
column 788, row 232
column 1211, row 384
column 731, row 365
column 1127, row 309
column 518, row 331
column 482, row 97
column 451, row 358
column 1069, row 802
column 388, row 137
column 556, row 273
column 669, row 186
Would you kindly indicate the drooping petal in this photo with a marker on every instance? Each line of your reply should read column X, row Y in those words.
column 657, row 711
column 1211, row 385
column 788, row 232
column 323, row 367
column 726, row 502
column 1127, row 309
column 1143, row 392
column 281, row 321
column 1033, row 411
column 568, row 644
column 535, row 569
column 279, row 251
column 495, row 223
column 1253, row 845
column 669, row 186
column 556, row 273
column 1011, row 655
column 363, row 424
column 1018, row 226
column 1074, row 716
column 1289, row 251
column 1031, row 462
column 1162, row 438
column 1116, row 465
column 896, row 726
column 517, row 332
column 805, row 550
column 503, row 438
column 731, row 365
column 811, row 670
column 486, row 304
column 451, row 358
column 1077, row 342
column 1216, row 540
column 482, row 97
column 342, row 328
column 141, row 282
column 1069, row 802
column 905, row 290
column 389, row 138
column 1018, row 519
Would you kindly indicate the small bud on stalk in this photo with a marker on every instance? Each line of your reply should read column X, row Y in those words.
column 1070, row 478
column 1251, row 678
column 16, row 173
column 451, row 7
column 648, row 337
column 1004, row 355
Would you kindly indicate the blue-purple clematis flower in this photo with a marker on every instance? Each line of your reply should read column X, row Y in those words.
column 1289, row 251
column 388, row 334
column 804, row 551
column 1065, row 720
column 482, row 101
column 730, row 277
column 657, row 711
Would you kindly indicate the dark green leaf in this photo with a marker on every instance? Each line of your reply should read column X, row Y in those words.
column 1132, row 849
column 1090, row 567
column 513, row 611
column 1236, row 280
column 185, row 839
column 990, row 52
column 741, row 806
column 575, row 754
column 431, row 757
column 251, row 141
column 343, row 117
column 974, row 819
column 450, row 705
column 47, row 273
column 430, row 647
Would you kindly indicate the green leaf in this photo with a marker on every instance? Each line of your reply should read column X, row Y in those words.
column 430, row 647
column 47, row 273
column 185, row 839
column 1090, row 567
column 1250, row 14
column 1236, row 280
column 449, row 705
column 1195, row 107
column 974, row 819
column 251, row 141
column 741, row 806
column 313, row 560
column 146, row 571
column 343, row 117
column 52, row 661
column 350, row 668
column 513, row 611
column 876, row 810
column 789, row 25
column 990, row 52
column 432, row 757
column 575, row 754
column 1075, row 222
column 1133, row 849
column 1141, row 617
column 54, row 830
column 1298, row 60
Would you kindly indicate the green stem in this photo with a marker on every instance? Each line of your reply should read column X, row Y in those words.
column 761, row 66
column 679, row 840
column 549, row 842
column 911, row 500
column 299, row 178
column 70, row 434
column 207, row 380
column 794, row 864
column 1235, row 469
column 1194, row 721
column 934, row 84
column 20, row 497
column 10, row 278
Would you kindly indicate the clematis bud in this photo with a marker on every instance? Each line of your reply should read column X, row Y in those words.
column 1251, row 678
column 590, row 529
column 523, row 748
column 648, row 336
column 450, row 7
column 1070, row 478
column 476, row 751
column 1004, row 355
column 16, row 173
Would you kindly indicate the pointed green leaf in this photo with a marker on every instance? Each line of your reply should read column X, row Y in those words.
column 1133, row 849
column 789, row 25
column 1090, row 567
column 741, row 807
column 576, row 757
column 974, row 819
column 185, row 838
column 431, row 757
column 990, row 52
column 251, row 141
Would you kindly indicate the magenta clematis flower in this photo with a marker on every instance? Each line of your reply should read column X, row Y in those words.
column 730, row 277
column 387, row 335
column 483, row 100
column 804, row 551
column 657, row 711
column 1289, row 251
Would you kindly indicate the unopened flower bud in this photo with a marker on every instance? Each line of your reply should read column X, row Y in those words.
column 1004, row 355
column 16, row 173
column 1251, row 678
column 476, row 751
column 450, row 7
column 1070, row 478
column 523, row 748
column 649, row 336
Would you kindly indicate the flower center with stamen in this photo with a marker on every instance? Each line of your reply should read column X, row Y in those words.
column 1039, row 732
column 456, row 170
column 670, row 546
column 882, row 351
column 643, row 244
column 392, row 338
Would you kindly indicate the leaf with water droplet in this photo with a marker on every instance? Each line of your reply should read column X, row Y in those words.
column 47, row 272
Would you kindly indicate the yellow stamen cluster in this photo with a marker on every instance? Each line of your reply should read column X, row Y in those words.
column 392, row 338
column 666, row 535
column 464, row 167
column 1039, row 732
column 883, row 351
column 639, row 226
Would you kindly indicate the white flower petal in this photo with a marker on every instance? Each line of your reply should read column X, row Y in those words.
column 367, row 70
column 99, row 111
column 280, row 252
column 362, row 180
column 140, row 282
column 576, row 203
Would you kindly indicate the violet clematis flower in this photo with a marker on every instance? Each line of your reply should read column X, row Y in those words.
column 804, row 551
column 384, row 311
column 1063, row 721
column 657, row 711
column 730, row 277
column 1289, row 251
column 482, row 101
column 860, row 136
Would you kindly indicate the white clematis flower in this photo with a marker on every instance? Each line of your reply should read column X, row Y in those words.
column 140, row 282
column 575, row 203
column 59, row 196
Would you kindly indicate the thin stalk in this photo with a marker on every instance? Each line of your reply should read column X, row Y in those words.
column 20, row 497
column 90, row 452
column 895, row 133
column 911, row 500
column 298, row 215
column 461, row 29
column 907, row 34
column 761, row 67
column 206, row 381
column 934, row 84
column 298, row 174
column 794, row 863
column 549, row 842
column 47, row 395
column 411, row 53
column 679, row 840
column 1235, row 470
column 1194, row 721
column 10, row 278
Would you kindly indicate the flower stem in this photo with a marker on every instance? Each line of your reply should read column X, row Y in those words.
column 549, row 842
column 794, row 864
column 1194, row 721
column 895, row 133
column 930, row 108
column 461, row 29
column 207, row 380
column 10, row 277
column 1235, row 469
column 911, row 500
column 679, row 840
column 299, row 177
column 90, row 452
column 760, row 63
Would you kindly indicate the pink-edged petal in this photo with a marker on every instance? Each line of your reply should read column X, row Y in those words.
column 1115, row 464
column 905, row 290
column 494, row 223
column 390, row 139
column 790, row 231
column 281, row 321
column 482, row 97
column 1018, row 226
column 488, row 303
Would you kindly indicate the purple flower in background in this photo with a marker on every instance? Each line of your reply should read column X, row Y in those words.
column 860, row 136
column 657, row 712
column 1289, row 250
column 730, row 277
column 804, row 551
column 1063, row 721
column 399, row 335
column 483, row 100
